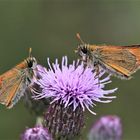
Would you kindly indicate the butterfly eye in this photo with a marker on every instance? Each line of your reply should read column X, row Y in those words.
column 84, row 50
column 30, row 64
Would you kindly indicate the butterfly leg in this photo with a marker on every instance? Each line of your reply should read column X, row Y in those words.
column 97, row 71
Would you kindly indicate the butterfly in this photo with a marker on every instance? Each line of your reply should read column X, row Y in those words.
column 120, row 61
column 14, row 82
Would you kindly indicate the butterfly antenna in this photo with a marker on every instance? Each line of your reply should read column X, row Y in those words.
column 30, row 52
column 79, row 37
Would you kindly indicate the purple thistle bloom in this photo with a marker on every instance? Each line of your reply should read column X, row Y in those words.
column 106, row 128
column 36, row 133
column 73, row 85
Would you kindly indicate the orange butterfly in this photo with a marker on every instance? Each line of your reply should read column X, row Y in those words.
column 14, row 82
column 121, row 61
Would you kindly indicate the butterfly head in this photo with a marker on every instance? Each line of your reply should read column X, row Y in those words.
column 82, row 49
column 31, row 61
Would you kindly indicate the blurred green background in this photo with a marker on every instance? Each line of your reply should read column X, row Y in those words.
column 49, row 27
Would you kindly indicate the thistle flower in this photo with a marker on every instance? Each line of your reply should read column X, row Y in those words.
column 72, row 89
column 106, row 128
column 73, row 85
column 36, row 133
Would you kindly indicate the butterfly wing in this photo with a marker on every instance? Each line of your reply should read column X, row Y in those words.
column 135, row 50
column 9, row 97
column 12, row 86
column 120, row 61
